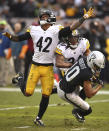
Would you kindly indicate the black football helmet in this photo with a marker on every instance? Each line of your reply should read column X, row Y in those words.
column 50, row 20
column 75, row 35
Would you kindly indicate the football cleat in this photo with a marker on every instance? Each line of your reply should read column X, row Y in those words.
column 38, row 122
column 15, row 79
column 79, row 117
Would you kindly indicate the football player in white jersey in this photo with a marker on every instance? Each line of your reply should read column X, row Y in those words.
column 70, row 49
column 45, row 38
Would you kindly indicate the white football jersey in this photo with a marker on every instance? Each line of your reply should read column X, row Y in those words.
column 72, row 55
column 45, row 43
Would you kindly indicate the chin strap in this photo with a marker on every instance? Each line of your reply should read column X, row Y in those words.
column 73, row 46
column 42, row 22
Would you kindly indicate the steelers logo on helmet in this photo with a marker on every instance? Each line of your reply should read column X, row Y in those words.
column 49, row 17
column 74, row 39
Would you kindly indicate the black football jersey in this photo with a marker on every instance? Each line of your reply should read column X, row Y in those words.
column 76, row 75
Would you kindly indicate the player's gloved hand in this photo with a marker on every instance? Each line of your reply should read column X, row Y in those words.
column 89, row 13
column 7, row 35
column 100, row 82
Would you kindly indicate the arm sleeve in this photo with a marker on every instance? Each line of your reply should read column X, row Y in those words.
column 22, row 37
column 25, row 36
column 64, row 32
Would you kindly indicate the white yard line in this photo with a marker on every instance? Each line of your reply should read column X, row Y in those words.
column 23, row 107
column 78, row 129
column 23, row 127
column 103, row 93
column 39, row 90
column 51, row 105
column 15, row 89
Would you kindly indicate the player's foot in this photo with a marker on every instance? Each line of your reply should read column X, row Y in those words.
column 15, row 79
column 79, row 117
column 38, row 121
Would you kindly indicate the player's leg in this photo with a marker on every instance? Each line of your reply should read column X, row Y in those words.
column 80, row 91
column 54, row 90
column 28, row 87
column 19, row 81
column 33, row 78
column 56, row 83
column 83, row 108
column 61, row 93
column 82, row 94
column 47, row 79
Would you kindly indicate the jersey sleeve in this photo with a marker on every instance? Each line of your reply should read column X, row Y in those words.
column 28, row 29
column 56, row 28
column 61, row 27
column 60, row 49
column 86, row 44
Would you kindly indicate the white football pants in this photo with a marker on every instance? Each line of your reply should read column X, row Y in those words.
column 73, row 98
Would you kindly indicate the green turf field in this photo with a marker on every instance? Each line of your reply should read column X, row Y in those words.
column 18, row 112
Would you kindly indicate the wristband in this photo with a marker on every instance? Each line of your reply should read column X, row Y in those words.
column 81, row 20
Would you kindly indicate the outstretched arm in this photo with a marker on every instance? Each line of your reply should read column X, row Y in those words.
column 87, row 14
column 22, row 37
column 67, row 30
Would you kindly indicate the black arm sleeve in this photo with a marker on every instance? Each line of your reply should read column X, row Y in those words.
column 22, row 37
column 26, row 36
column 64, row 32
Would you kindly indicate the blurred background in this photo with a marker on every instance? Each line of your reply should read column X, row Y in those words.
column 17, row 15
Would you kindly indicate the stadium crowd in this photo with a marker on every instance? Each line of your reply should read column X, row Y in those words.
column 15, row 57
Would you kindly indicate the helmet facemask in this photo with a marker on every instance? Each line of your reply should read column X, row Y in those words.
column 96, row 70
column 73, row 41
column 50, row 20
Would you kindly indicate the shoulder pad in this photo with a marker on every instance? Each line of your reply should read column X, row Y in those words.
column 86, row 42
column 61, row 27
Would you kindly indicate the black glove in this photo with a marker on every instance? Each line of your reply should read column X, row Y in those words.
column 97, row 80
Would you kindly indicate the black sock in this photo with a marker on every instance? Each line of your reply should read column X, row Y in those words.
column 54, row 91
column 22, row 85
column 43, row 106
column 84, row 112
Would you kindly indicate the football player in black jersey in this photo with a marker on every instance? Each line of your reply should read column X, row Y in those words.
column 83, row 73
